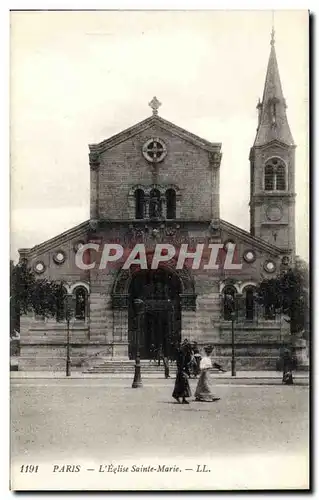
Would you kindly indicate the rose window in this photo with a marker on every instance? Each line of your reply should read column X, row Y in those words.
column 154, row 150
column 270, row 266
column 39, row 267
column 59, row 258
column 249, row 256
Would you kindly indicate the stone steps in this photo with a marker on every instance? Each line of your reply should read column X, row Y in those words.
column 242, row 363
column 127, row 366
column 113, row 366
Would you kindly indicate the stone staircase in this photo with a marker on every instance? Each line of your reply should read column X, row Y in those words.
column 127, row 366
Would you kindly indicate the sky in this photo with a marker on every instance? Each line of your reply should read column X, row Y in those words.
column 77, row 78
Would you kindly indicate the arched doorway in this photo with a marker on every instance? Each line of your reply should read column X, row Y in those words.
column 161, row 322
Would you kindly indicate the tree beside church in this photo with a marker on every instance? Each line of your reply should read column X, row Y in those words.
column 288, row 294
column 28, row 294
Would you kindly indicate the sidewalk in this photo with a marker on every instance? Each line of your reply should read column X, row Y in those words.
column 241, row 375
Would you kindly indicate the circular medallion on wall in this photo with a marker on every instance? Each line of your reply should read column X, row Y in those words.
column 270, row 266
column 154, row 150
column 274, row 212
column 249, row 256
column 59, row 257
column 39, row 267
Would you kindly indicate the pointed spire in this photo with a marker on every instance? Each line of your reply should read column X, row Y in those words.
column 272, row 41
column 273, row 123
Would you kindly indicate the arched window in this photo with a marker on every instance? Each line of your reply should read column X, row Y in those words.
column 249, row 303
column 281, row 178
column 155, row 204
column 229, row 304
column 139, row 204
column 269, row 178
column 275, row 175
column 171, row 204
column 81, row 296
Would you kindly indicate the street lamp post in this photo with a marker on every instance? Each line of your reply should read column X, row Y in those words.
column 139, row 306
column 233, row 358
column 231, row 306
column 69, row 302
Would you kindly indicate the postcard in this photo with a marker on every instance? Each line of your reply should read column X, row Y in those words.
column 159, row 301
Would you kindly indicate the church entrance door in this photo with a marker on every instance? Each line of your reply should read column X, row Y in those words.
column 161, row 320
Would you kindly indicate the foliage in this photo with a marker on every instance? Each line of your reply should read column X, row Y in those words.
column 288, row 293
column 28, row 293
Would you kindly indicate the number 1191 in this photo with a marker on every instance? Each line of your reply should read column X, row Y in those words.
column 29, row 468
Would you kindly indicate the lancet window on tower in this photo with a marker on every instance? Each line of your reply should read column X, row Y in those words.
column 275, row 175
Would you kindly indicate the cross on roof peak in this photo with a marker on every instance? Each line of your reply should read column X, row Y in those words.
column 155, row 104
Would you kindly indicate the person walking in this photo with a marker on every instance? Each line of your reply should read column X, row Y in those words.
column 162, row 355
column 287, row 377
column 181, row 388
column 187, row 351
column 158, row 355
column 203, row 392
column 166, row 367
column 197, row 357
column 152, row 353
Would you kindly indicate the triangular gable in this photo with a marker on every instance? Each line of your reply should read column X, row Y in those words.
column 158, row 121
column 56, row 241
column 256, row 243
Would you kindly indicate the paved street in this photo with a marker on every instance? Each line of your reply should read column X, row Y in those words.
column 105, row 419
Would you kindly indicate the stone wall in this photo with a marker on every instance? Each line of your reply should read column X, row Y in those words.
column 186, row 166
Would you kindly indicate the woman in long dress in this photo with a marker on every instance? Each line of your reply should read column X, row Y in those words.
column 287, row 377
column 181, row 388
column 203, row 392
column 197, row 357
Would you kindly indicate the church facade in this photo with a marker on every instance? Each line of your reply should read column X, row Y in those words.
column 156, row 183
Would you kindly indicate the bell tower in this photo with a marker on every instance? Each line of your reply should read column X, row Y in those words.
column 272, row 166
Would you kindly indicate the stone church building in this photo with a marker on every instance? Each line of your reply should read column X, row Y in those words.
column 158, row 183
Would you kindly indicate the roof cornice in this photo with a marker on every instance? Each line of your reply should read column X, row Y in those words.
column 257, row 242
column 55, row 241
column 147, row 123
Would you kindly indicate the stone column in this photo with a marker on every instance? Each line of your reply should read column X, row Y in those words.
column 208, row 316
column 147, row 206
column 94, row 180
column 131, row 206
column 120, row 328
column 214, row 163
column 93, row 190
column 241, row 307
column 189, row 325
column 163, row 206
column 178, row 206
